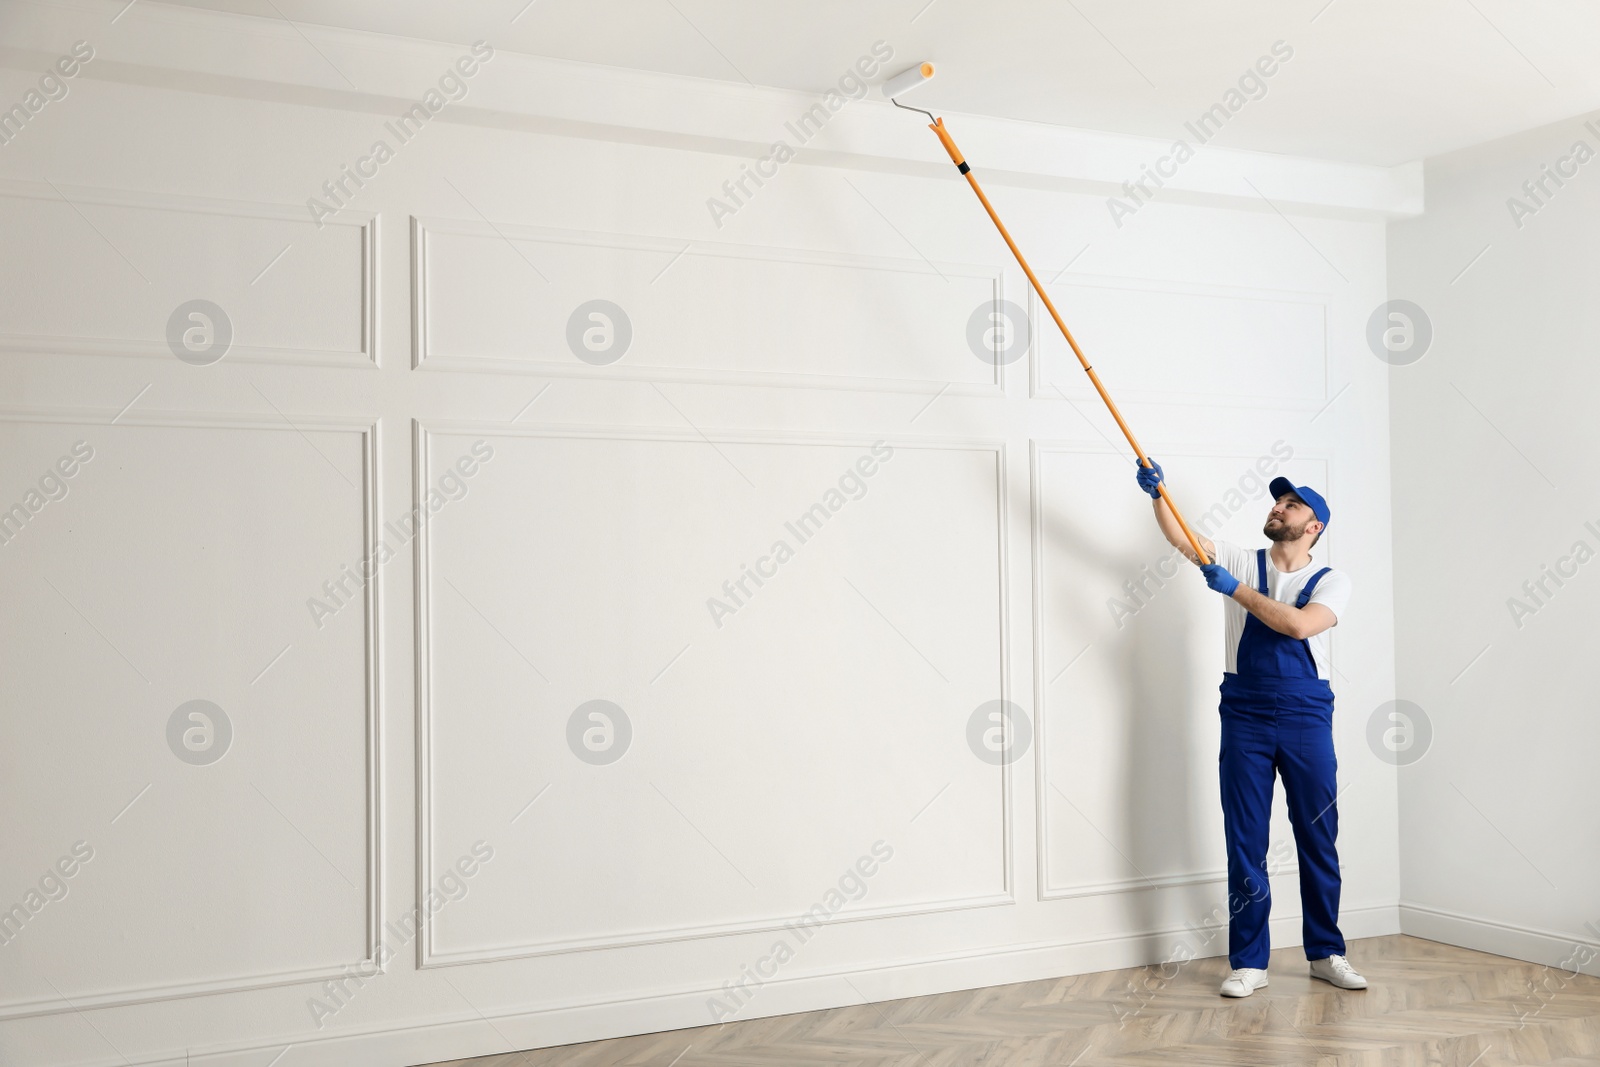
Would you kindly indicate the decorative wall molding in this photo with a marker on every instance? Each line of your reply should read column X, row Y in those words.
column 423, row 356
column 368, row 430
column 423, row 432
column 1076, row 385
column 365, row 355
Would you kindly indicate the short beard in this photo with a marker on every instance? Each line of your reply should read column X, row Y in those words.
column 1284, row 532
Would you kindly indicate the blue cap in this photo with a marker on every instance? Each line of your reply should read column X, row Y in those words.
column 1311, row 498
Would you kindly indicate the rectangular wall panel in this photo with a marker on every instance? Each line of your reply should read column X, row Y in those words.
column 763, row 745
column 145, row 566
column 511, row 298
column 288, row 290
column 1186, row 342
column 1129, row 658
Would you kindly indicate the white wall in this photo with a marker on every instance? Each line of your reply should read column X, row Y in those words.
column 1495, row 481
column 430, row 711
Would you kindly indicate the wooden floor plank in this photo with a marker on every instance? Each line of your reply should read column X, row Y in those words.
column 1428, row 1005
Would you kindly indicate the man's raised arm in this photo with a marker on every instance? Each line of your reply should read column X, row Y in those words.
column 1149, row 478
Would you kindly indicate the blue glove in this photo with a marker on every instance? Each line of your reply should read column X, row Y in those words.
column 1218, row 578
column 1150, row 477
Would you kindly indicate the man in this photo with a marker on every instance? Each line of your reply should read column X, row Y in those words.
column 1277, row 715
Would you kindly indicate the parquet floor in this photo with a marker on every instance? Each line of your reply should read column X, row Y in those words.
column 1428, row 1004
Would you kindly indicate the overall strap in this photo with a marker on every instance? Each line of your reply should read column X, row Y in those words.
column 1261, row 570
column 1305, row 593
column 1301, row 601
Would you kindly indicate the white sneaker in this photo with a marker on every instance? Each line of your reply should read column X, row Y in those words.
column 1243, row 981
column 1337, row 969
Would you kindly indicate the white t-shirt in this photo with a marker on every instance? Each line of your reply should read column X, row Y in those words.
column 1332, row 592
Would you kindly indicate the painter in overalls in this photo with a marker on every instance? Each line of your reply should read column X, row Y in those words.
column 1277, row 720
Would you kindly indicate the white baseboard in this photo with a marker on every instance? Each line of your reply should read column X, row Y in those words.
column 1502, row 939
column 461, row 1036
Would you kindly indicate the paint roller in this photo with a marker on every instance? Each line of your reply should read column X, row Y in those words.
column 920, row 74
column 907, row 80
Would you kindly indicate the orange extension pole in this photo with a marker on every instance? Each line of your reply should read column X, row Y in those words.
column 1144, row 461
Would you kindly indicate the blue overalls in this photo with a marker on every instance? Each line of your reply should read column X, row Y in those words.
column 1277, row 716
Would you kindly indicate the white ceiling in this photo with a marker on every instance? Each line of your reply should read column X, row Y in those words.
column 1371, row 81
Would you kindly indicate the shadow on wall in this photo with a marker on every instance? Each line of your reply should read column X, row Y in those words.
column 1155, row 685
